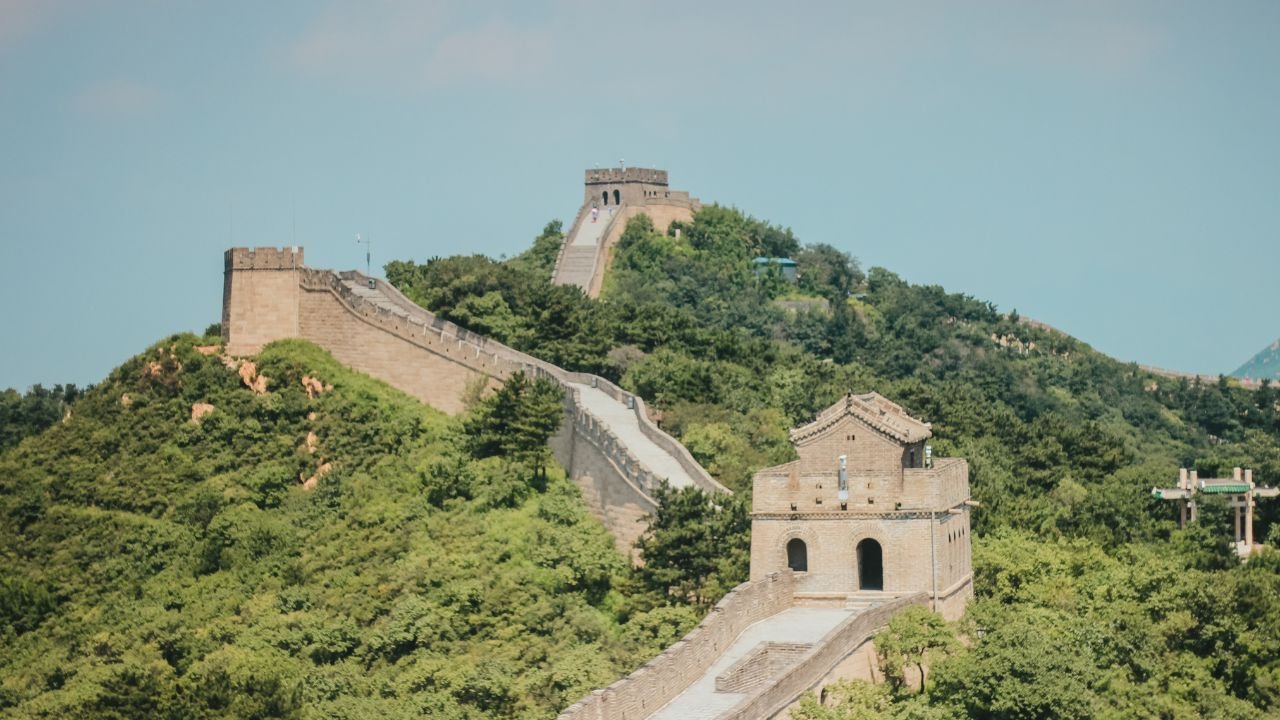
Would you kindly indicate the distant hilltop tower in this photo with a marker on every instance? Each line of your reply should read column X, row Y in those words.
column 611, row 197
column 633, row 186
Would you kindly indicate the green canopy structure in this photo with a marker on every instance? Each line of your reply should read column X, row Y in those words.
column 1240, row 489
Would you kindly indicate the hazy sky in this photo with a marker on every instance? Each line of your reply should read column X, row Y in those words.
column 1112, row 168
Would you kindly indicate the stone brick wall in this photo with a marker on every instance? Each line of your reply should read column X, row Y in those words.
column 662, row 215
column 658, row 681
column 870, row 453
column 908, row 559
column 269, row 295
column 766, row 661
column 259, row 297
column 609, row 187
column 826, row 653
column 917, row 516
column 433, row 377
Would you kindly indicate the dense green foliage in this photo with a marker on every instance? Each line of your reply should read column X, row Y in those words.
column 152, row 565
column 540, row 258
column 29, row 413
column 156, row 566
column 1115, row 613
column 1060, row 438
column 696, row 549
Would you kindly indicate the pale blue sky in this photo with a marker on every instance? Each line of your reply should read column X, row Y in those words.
column 1112, row 168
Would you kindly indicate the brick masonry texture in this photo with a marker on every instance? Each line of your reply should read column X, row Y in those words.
column 917, row 516
column 766, row 661
column 809, row 670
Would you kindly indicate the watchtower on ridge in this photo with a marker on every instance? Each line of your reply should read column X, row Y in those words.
column 610, row 198
column 866, row 508
column 605, row 187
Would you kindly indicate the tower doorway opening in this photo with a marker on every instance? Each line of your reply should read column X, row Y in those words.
column 797, row 555
column 604, row 197
column 617, row 197
column 870, row 565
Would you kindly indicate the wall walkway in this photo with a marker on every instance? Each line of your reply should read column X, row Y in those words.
column 761, row 647
column 588, row 247
column 584, row 252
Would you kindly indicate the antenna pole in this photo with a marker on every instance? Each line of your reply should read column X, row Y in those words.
column 368, row 252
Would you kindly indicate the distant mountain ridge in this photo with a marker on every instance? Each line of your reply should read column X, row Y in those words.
column 1266, row 364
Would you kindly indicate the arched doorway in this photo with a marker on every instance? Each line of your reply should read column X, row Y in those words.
column 617, row 197
column 870, row 565
column 797, row 555
column 604, row 197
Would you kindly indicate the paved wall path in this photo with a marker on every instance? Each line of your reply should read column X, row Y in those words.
column 621, row 420
column 625, row 425
column 579, row 258
column 793, row 625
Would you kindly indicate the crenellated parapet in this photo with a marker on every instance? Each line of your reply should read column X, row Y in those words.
column 601, row 176
column 264, row 258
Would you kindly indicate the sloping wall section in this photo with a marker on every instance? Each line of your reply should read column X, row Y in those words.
column 269, row 294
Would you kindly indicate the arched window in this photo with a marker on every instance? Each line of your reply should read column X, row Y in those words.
column 870, row 565
column 617, row 198
column 797, row 555
column 604, row 196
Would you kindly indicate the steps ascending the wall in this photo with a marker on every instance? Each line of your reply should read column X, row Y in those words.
column 583, row 248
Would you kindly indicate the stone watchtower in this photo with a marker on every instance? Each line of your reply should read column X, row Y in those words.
column 605, row 187
column 260, row 297
column 866, row 508
column 610, row 198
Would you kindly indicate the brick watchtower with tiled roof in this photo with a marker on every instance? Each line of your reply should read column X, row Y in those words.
column 866, row 509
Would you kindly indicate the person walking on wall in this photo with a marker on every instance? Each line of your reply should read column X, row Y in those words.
column 595, row 212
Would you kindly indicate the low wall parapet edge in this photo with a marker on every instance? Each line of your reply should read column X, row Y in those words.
column 661, row 679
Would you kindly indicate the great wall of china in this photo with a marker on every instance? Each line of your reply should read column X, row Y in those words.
column 801, row 620
column 616, row 195
column 608, row 444
column 765, row 642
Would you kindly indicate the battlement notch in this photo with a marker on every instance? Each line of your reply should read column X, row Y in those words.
column 264, row 258
column 649, row 176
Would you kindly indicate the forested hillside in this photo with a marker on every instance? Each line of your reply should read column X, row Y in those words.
column 193, row 538
column 197, row 540
column 1091, row 603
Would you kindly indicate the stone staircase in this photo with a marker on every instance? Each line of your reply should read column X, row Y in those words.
column 580, row 254
column 577, row 266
